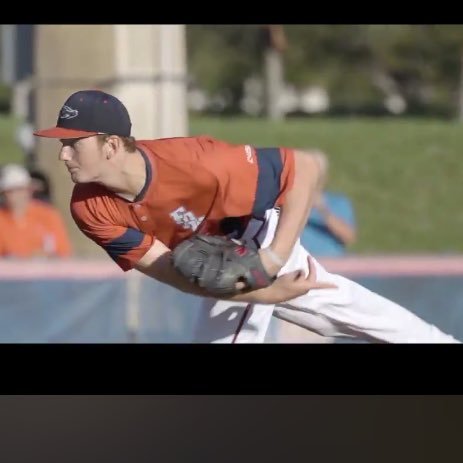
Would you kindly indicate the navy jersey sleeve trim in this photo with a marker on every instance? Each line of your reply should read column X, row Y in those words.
column 270, row 167
column 131, row 239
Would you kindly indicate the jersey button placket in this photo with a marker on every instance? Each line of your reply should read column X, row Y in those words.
column 139, row 212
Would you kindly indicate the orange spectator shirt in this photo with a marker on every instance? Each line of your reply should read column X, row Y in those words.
column 193, row 184
column 40, row 232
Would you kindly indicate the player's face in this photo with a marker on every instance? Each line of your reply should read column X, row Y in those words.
column 83, row 157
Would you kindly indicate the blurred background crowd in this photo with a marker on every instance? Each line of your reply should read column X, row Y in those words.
column 382, row 105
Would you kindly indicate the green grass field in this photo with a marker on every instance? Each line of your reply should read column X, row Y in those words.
column 404, row 176
column 9, row 150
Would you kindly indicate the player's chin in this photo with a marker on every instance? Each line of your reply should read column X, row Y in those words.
column 74, row 177
column 78, row 176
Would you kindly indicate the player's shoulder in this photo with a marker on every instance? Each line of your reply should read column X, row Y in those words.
column 194, row 142
column 89, row 199
column 178, row 140
column 88, row 192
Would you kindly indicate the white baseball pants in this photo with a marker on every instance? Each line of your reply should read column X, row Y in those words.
column 350, row 310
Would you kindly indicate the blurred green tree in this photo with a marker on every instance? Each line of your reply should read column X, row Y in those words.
column 361, row 66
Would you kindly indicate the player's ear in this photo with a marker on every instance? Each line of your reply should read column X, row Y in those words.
column 111, row 146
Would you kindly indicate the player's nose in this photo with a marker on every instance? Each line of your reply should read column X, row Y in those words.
column 65, row 154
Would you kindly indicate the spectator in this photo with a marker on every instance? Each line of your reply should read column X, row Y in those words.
column 28, row 227
column 331, row 227
column 40, row 185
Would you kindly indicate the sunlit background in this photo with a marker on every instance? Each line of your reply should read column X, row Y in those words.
column 384, row 103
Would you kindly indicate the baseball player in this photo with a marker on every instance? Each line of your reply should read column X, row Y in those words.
column 160, row 206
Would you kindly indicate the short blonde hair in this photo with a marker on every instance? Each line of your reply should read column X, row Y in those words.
column 129, row 142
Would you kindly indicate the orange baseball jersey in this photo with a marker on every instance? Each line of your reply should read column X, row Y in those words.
column 41, row 232
column 193, row 184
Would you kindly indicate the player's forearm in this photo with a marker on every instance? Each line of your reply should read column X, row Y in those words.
column 267, row 295
column 296, row 209
column 161, row 269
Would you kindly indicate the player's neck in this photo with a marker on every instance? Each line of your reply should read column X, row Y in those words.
column 129, row 178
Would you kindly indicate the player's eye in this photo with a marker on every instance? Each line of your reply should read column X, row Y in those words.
column 70, row 142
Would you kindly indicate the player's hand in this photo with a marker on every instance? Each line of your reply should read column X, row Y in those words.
column 295, row 284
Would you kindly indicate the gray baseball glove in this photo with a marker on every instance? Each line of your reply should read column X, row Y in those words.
column 217, row 264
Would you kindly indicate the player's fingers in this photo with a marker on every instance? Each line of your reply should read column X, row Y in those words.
column 324, row 285
column 312, row 277
column 295, row 275
column 299, row 275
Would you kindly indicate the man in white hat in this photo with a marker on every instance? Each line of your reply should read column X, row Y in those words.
column 28, row 228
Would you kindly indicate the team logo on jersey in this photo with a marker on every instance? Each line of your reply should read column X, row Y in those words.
column 186, row 218
column 68, row 113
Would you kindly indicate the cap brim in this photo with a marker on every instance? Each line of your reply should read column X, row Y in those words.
column 60, row 132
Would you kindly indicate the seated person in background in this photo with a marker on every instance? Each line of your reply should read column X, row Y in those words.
column 40, row 185
column 331, row 226
column 28, row 227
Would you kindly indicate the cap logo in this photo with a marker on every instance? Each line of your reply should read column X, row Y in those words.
column 68, row 113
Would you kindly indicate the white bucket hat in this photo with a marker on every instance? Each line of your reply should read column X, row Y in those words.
column 14, row 176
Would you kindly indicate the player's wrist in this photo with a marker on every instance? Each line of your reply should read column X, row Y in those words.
column 273, row 256
column 282, row 248
column 271, row 261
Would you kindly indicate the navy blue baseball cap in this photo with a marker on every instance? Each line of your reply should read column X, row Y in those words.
column 90, row 112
